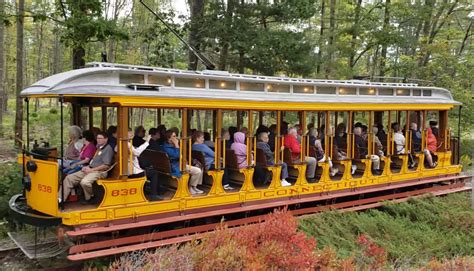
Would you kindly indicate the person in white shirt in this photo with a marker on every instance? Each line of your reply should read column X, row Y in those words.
column 400, row 141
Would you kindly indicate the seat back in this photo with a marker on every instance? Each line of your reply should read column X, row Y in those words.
column 231, row 159
column 199, row 156
column 261, row 158
column 287, row 156
column 158, row 160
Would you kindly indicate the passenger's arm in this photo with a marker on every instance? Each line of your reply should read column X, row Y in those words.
column 82, row 162
column 138, row 151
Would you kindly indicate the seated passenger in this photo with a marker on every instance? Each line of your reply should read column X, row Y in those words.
column 171, row 147
column 341, row 137
column 232, row 130
column 263, row 145
column 209, row 156
column 292, row 143
column 138, row 139
column 434, row 128
column 97, row 169
column 399, row 140
column 415, row 137
column 112, row 135
column 361, row 144
column 381, row 135
column 87, row 152
column 207, row 140
column 154, row 142
column 161, row 130
column 240, row 150
column 74, row 147
column 320, row 155
column 431, row 148
column 271, row 136
column 379, row 145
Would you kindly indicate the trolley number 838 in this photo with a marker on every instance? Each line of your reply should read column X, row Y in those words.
column 123, row 192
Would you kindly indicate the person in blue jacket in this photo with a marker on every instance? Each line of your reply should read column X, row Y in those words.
column 171, row 147
column 209, row 156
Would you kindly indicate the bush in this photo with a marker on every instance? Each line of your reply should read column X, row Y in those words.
column 273, row 244
column 10, row 184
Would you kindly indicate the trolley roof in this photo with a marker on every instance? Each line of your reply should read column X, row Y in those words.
column 107, row 79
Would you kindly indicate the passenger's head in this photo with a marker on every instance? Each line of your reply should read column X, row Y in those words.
column 310, row 125
column 225, row 134
column 358, row 131
column 263, row 136
column 395, row 127
column 433, row 123
column 414, row 126
column 358, row 124
column 272, row 128
column 244, row 130
column 169, row 135
column 262, row 129
column 140, row 131
column 198, row 137
column 153, row 132
column 89, row 137
column 112, row 131
column 75, row 132
column 161, row 130
column 379, row 127
column 130, row 134
column 313, row 132
column 340, row 129
column 175, row 130
column 375, row 130
column 207, row 136
column 101, row 138
column 239, row 137
column 293, row 132
column 364, row 129
column 95, row 130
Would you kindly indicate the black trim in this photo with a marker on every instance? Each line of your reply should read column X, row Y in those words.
column 24, row 214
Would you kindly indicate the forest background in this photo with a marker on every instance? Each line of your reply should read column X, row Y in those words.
column 427, row 40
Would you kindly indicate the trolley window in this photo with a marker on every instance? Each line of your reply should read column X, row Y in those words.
column 159, row 80
column 222, row 84
column 347, row 91
column 326, row 90
column 403, row 92
column 278, row 88
column 367, row 91
column 416, row 92
column 385, row 92
column 245, row 86
column 427, row 92
column 131, row 78
column 303, row 89
column 190, row 82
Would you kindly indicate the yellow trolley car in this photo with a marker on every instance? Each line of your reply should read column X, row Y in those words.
column 228, row 100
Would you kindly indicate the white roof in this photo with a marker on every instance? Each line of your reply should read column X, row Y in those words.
column 105, row 79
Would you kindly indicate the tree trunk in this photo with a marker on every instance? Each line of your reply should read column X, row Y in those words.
column 383, row 53
column 19, row 72
column 197, row 10
column 321, row 37
column 78, row 54
column 39, row 75
column 355, row 33
column 463, row 44
column 332, row 29
column 2, row 65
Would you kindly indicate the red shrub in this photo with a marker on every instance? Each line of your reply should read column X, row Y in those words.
column 375, row 256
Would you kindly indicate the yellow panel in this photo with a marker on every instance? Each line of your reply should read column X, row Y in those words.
column 259, row 105
column 212, row 200
column 147, row 208
column 122, row 192
column 93, row 215
column 43, row 195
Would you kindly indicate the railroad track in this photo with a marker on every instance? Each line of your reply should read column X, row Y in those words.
column 192, row 226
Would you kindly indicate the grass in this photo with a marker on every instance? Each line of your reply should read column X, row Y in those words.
column 412, row 233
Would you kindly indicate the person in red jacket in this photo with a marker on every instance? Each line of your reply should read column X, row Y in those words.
column 431, row 148
column 291, row 142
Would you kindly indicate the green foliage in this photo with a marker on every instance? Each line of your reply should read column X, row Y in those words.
column 10, row 184
column 84, row 23
column 411, row 232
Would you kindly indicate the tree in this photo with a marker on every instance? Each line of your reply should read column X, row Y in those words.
column 19, row 70
column 84, row 23
column 2, row 63
column 197, row 11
